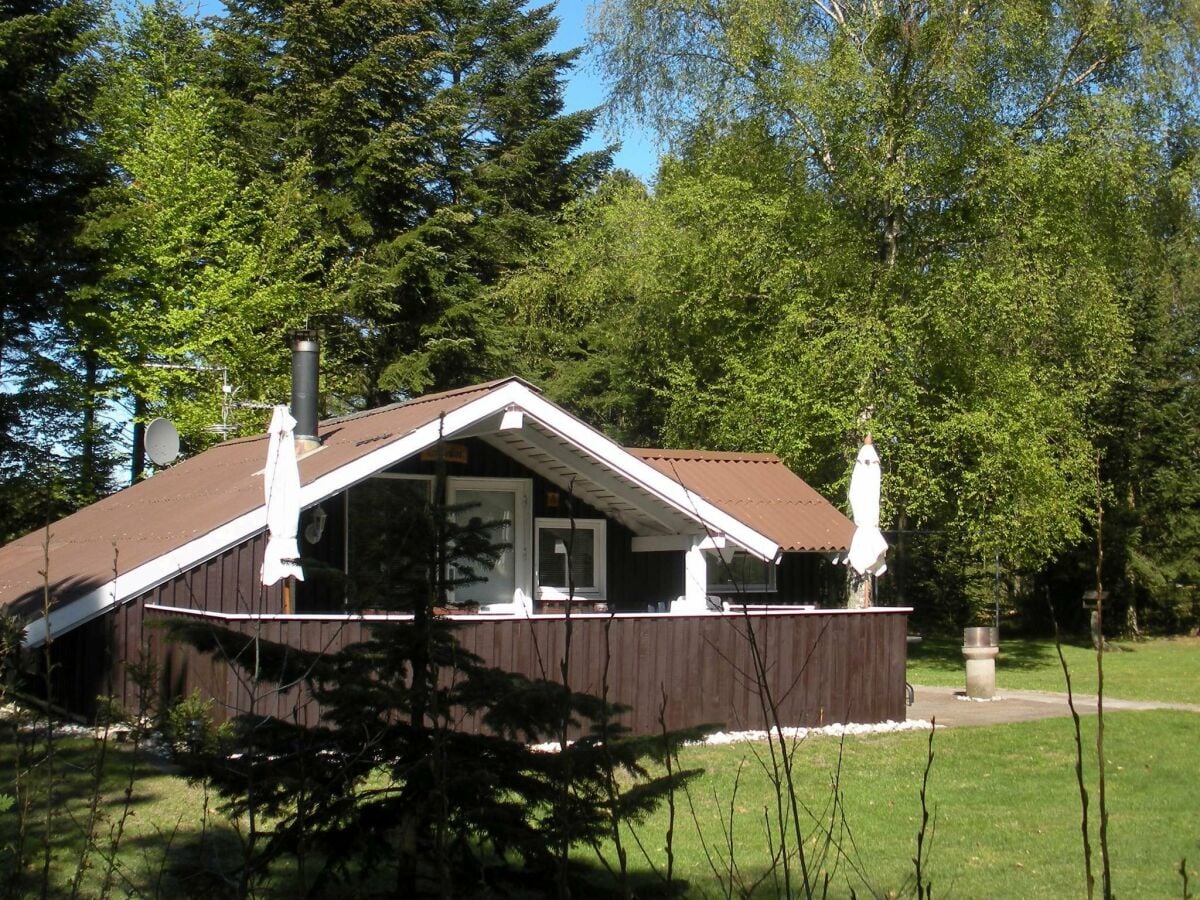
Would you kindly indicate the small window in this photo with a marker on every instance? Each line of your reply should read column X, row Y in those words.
column 739, row 573
column 562, row 553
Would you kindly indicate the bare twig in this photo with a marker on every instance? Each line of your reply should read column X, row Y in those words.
column 93, row 810
column 1106, row 871
column 668, row 759
column 1079, row 779
column 708, row 853
column 924, row 885
column 142, row 673
column 48, row 661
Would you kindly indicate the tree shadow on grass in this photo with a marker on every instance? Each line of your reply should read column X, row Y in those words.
column 589, row 879
column 208, row 867
column 169, row 855
column 1016, row 654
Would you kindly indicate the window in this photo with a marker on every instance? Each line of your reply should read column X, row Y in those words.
column 580, row 555
column 387, row 518
column 389, row 530
column 739, row 572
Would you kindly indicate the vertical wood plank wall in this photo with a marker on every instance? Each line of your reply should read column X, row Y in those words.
column 92, row 660
column 821, row 668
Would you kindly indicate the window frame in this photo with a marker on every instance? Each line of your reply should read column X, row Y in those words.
column 770, row 586
column 523, row 534
column 599, row 529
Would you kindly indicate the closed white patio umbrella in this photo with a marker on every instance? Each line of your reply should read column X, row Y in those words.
column 281, row 485
column 868, row 547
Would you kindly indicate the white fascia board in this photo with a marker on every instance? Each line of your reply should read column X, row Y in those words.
column 144, row 577
column 156, row 571
column 600, row 475
column 660, row 542
column 456, row 422
column 586, row 439
column 591, row 442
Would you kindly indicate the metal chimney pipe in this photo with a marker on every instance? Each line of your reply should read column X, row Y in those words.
column 306, row 367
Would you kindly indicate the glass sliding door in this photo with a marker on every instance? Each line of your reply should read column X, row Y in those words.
column 504, row 502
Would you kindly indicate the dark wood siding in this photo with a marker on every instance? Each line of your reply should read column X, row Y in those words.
column 822, row 667
column 88, row 662
column 96, row 658
column 638, row 581
column 228, row 582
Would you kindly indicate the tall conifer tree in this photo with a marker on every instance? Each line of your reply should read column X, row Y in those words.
column 440, row 151
column 47, row 168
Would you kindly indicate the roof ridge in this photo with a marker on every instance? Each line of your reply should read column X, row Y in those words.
column 429, row 398
column 711, row 455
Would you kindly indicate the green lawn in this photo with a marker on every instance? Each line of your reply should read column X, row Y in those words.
column 163, row 850
column 1006, row 806
column 1165, row 669
column 1007, row 813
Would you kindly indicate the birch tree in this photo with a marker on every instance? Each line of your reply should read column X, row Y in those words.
column 916, row 219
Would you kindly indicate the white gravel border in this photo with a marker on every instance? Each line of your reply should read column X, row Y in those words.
column 721, row 738
column 837, row 730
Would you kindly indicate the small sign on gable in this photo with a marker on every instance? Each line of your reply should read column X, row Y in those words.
column 452, row 453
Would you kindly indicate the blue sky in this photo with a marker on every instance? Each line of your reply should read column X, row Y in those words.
column 585, row 89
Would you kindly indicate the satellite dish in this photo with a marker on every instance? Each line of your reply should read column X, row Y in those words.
column 162, row 442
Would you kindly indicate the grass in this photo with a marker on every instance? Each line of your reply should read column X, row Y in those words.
column 1006, row 808
column 1004, row 798
column 161, row 848
column 1166, row 669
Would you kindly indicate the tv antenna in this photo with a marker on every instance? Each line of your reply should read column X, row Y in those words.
column 225, row 428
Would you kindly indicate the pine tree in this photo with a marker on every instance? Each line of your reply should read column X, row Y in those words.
column 50, row 438
column 440, row 155
column 389, row 779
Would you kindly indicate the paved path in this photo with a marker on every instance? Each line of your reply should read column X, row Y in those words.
column 952, row 709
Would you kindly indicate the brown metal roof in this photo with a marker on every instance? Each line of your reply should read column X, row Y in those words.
column 188, row 500
column 758, row 489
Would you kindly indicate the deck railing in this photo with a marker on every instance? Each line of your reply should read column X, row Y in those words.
column 822, row 666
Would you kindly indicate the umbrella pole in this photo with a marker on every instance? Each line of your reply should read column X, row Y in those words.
column 287, row 595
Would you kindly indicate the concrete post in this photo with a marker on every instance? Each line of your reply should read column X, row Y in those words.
column 980, row 647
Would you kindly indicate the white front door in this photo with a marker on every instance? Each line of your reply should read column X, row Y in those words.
column 505, row 501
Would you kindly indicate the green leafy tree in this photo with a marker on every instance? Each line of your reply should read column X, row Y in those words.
column 203, row 267
column 909, row 219
column 1149, row 464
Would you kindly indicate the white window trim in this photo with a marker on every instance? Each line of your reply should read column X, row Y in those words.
column 770, row 587
column 599, row 528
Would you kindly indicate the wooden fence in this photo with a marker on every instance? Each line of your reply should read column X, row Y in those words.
column 822, row 666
